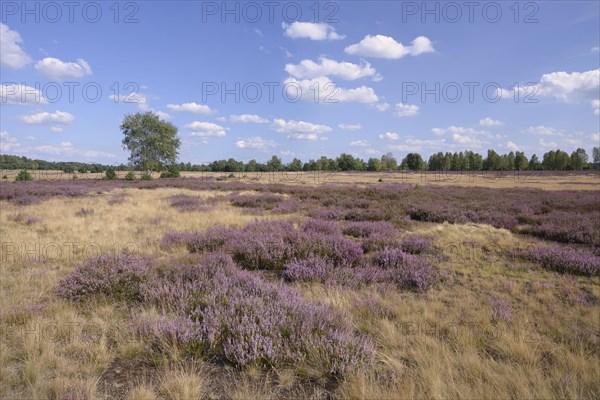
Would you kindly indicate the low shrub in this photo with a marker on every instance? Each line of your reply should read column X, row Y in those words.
column 187, row 203
column 222, row 311
column 415, row 244
column 130, row 176
column 113, row 276
column 562, row 259
column 23, row 175
column 111, row 175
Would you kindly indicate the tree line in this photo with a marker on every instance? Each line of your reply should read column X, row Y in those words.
column 553, row 160
column 154, row 146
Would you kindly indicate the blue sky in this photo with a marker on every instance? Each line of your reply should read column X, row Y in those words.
column 362, row 77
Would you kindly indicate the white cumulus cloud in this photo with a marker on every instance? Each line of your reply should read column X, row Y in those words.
column 381, row 46
column 11, row 53
column 206, row 129
column 21, row 95
column 55, row 69
column 512, row 146
column 310, row 30
column 299, row 130
column 406, row 110
column 8, row 142
column 489, row 122
column 359, row 143
column 191, row 108
column 327, row 67
column 543, row 130
column 389, row 136
column 325, row 91
column 255, row 143
column 248, row 119
column 57, row 120
column 350, row 127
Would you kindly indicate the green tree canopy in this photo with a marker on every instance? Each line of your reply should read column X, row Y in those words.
column 153, row 143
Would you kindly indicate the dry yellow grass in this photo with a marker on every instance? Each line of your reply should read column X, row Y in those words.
column 589, row 180
column 441, row 344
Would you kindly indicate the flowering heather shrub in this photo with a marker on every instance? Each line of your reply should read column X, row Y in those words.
column 326, row 213
column 563, row 259
column 187, row 203
column 174, row 239
column 209, row 240
column 415, row 244
column 84, row 212
column 321, row 227
column 312, row 269
column 236, row 315
column 287, row 207
column 33, row 220
column 406, row 270
column 116, row 277
column 379, row 241
column 341, row 252
column 266, row 245
column 500, row 310
column 366, row 229
column 266, row 201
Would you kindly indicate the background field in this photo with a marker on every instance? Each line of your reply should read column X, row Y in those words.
column 548, row 180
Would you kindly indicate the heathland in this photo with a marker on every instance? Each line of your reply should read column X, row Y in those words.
column 355, row 285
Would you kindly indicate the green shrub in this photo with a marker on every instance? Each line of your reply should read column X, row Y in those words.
column 146, row 176
column 23, row 175
column 130, row 176
column 171, row 172
column 111, row 174
column 4, row 177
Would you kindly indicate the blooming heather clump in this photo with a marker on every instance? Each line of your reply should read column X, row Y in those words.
column 563, row 259
column 116, row 277
column 500, row 310
column 407, row 270
column 287, row 207
column 312, row 269
column 173, row 239
column 266, row 201
column 236, row 315
column 187, row 203
column 211, row 239
column 379, row 241
column 266, row 245
column 341, row 252
column 321, row 227
column 326, row 213
column 366, row 229
column 33, row 220
column 415, row 244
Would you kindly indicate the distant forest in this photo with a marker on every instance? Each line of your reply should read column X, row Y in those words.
column 554, row 160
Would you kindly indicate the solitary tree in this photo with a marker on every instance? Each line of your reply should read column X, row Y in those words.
column 153, row 143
